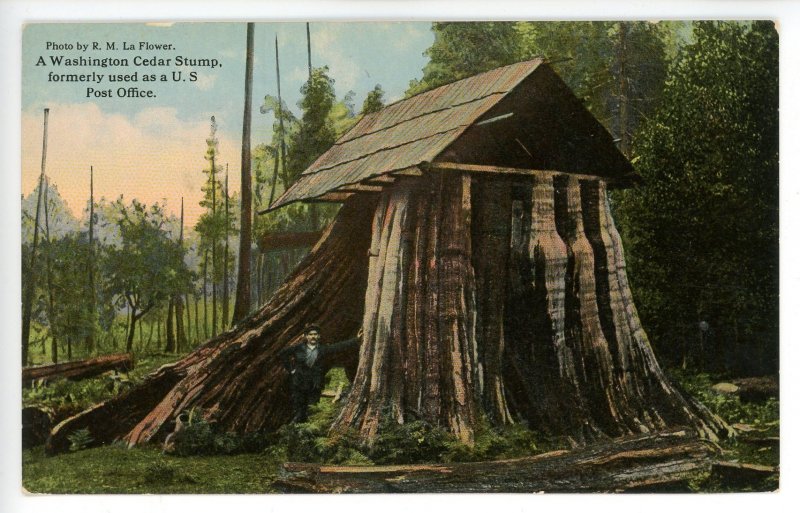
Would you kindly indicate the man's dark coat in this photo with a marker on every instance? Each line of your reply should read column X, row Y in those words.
column 307, row 377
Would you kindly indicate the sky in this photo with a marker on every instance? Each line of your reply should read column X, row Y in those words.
column 152, row 149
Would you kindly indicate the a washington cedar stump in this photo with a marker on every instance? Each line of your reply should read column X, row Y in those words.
column 476, row 249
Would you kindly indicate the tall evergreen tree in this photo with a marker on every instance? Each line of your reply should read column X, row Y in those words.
column 316, row 133
column 463, row 49
column 702, row 234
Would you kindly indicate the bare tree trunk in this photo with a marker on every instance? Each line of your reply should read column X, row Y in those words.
column 180, row 333
column 241, row 307
column 225, row 298
column 170, row 346
column 237, row 377
column 51, row 303
column 196, row 318
column 205, row 294
column 575, row 343
column 131, row 330
column 91, row 303
column 30, row 286
column 188, row 331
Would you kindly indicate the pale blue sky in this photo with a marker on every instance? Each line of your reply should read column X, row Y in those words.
column 359, row 55
column 138, row 144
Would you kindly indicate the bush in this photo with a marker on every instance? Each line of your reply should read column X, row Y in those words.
column 79, row 439
column 200, row 437
column 413, row 442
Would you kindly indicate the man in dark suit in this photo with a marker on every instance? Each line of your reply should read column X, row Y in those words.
column 307, row 363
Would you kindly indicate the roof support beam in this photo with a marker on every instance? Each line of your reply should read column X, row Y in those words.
column 474, row 168
column 360, row 188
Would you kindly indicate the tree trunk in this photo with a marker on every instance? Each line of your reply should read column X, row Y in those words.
column 237, row 377
column 241, row 306
column 196, row 318
column 205, row 294
column 188, row 318
column 131, row 329
column 170, row 346
column 555, row 341
column 417, row 358
column 180, row 332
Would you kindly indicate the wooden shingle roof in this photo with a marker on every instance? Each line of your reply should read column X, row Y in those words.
column 410, row 132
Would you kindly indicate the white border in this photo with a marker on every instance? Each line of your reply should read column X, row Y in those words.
column 14, row 13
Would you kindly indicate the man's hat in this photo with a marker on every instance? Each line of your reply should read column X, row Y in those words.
column 310, row 328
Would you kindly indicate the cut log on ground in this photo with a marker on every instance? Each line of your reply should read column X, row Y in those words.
column 236, row 378
column 741, row 475
column 645, row 462
column 80, row 369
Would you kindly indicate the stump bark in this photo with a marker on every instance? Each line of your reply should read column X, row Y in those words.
column 579, row 362
column 417, row 359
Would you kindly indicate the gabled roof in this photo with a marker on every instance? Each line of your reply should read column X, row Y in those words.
column 414, row 131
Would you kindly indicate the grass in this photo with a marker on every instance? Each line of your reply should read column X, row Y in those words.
column 116, row 469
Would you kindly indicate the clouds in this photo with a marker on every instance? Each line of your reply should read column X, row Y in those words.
column 152, row 157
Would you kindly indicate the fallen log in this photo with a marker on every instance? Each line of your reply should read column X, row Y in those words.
column 645, row 462
column 745, row 475
column 76, row 370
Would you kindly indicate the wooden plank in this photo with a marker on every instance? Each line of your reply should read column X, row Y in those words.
column 474, row 168
column 410, row 171
column 331, row 197
column 379, row 180
column 357, row 187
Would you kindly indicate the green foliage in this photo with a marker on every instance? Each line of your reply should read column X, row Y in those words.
column 316, row 133
column 729, row 406
column 492, row 443
column 201, row 437
column 64, row 397
column 616, row 68
column 79, row 439
column 374, row 101
column 148, row 267
column 702, row 234
column 461, row 50
column 412, row 442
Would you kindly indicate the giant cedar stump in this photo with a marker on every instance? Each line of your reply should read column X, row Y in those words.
column 539, row 328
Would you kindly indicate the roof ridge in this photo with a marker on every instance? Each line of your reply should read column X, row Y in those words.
column 431, row 92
